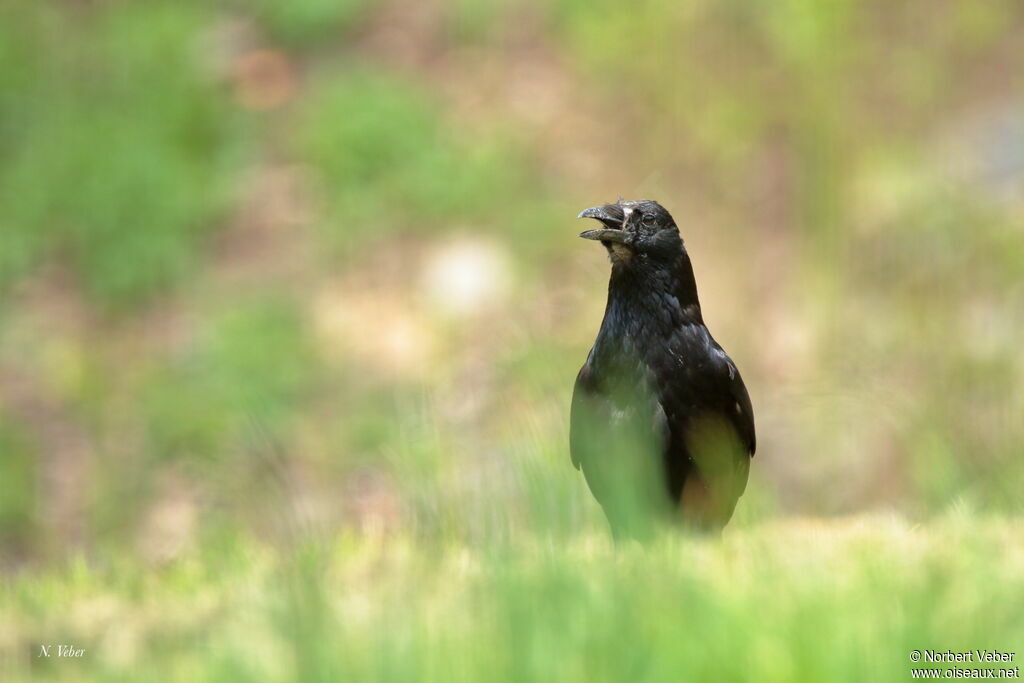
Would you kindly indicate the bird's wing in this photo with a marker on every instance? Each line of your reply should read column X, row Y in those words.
column 740, row 411
column 712, row 429
column 584, row 386
column 582, row 390
column 702, row 378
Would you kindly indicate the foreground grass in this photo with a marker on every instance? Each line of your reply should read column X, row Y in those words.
column 781, row 601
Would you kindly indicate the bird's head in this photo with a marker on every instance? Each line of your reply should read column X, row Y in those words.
column 634, row 228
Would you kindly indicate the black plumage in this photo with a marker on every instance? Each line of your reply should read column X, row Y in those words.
column 661, row 424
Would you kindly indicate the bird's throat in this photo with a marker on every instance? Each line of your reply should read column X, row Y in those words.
column 619, row 254
column 645, row 297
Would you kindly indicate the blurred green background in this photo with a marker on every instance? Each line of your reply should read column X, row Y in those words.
column 274, row 270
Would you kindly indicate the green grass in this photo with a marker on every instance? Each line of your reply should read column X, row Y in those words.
column 213, row 314
column 118, row 150
column 779, row 601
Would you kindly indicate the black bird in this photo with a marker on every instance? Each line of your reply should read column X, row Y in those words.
column 661, row 422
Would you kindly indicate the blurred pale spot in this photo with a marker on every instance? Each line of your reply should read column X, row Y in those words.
column 467, row 276
column 119, row 637
column 885, row 190
column 277, row 197
column 63, row 366
column 992, row 329
column 373, row 504
column 169, row 525
column 787, row 341
column 372, row 328
column 264, row 78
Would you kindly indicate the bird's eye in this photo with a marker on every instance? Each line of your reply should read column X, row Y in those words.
column 648, row 218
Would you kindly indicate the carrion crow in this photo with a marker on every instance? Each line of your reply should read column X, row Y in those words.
column 661, row 422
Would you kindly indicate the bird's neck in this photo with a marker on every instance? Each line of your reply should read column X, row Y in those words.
column 643, row 281
column 648, row 299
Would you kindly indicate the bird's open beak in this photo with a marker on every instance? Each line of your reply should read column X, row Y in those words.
column 612, row 233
